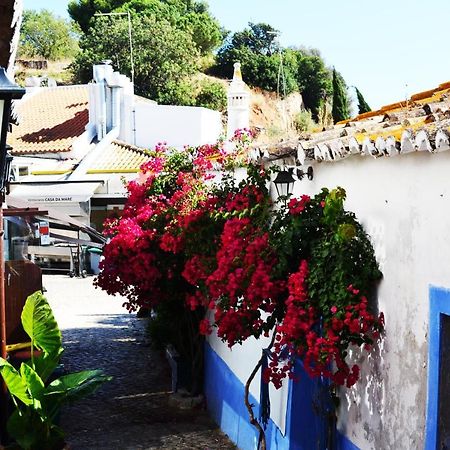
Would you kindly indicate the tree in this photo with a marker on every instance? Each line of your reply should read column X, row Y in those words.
column 205, row 30
column 341, row 109
column 314, row 80
column 47, row 36
column 191, row 16
column 164, row 57
column 82, row 11
column 363, row 107
column 260, row 38
column 260, row 57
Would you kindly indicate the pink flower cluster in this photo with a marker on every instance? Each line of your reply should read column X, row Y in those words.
column 321, row 343
column 241, row 285
column 215, row 250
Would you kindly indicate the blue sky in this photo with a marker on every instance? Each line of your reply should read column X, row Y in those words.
column 387, row 48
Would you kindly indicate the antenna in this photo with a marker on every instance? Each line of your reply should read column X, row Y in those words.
column 406, row 95
column 129, row 35
column 281, row 79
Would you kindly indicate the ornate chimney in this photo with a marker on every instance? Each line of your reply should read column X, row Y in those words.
column 238, row 103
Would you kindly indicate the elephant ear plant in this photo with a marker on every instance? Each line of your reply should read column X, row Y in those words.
column 37, row 403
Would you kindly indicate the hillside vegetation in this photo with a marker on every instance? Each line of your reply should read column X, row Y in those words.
column 173, row 41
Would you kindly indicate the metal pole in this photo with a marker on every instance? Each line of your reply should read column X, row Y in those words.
column 2, row 257
column 129, row 35
column 131, row 47
column 4, row 389
column 2, row 288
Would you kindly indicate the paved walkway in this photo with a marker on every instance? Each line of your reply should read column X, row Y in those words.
column 133, row 410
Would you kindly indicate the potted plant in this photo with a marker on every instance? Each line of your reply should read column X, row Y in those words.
column 36, row 402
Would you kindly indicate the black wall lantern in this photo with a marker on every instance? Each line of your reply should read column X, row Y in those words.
column 8, row 91
column 284, row 182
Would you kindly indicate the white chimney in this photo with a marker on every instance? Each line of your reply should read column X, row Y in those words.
column 111, row 102
column 238, row 103
column 101, row 73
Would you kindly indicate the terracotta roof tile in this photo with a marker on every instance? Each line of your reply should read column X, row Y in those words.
column 119, row 157
column 50, row 120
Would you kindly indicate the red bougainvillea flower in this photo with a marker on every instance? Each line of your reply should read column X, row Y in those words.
column 222, row 247
column 297, row 206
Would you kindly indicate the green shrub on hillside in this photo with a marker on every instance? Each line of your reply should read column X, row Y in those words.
column 303, row 122
column 212, row 95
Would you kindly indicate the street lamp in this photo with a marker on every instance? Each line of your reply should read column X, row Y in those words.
column 284, row 182
column 8, row 92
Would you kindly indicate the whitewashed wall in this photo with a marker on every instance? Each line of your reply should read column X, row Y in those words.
column 176, row 125
column 404, row 204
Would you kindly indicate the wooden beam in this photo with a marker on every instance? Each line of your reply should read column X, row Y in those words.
column 24, row 212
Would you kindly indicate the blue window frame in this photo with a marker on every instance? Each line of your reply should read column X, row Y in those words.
column 439, row 306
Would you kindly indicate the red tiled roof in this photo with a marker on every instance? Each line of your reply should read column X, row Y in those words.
column 50, row 120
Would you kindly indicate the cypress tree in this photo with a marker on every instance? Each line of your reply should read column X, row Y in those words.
column 363, row 107
column 341, row 109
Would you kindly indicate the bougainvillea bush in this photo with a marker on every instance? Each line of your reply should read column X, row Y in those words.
column 193, row 242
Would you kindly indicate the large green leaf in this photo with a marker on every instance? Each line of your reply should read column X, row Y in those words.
column 22, row 429
column 34, row 383
column 46, row 363
column 75, row 385
column 40, row 324
column 16, row 385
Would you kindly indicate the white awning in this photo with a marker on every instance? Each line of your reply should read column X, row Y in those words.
column 58, row 220
column 54, row 194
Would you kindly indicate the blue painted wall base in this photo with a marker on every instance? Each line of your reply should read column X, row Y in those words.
column 304, row 429
column 439, row 305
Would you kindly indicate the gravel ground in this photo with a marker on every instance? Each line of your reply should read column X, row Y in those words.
column 134, row 410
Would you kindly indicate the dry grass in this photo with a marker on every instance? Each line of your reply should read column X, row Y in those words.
column 58, row 70
column 273, row 116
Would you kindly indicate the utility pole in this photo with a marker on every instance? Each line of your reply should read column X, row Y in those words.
column 281, row 79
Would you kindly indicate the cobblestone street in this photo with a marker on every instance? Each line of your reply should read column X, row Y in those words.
column 133, row 410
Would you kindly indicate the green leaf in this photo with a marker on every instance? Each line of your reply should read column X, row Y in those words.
column 22, row 429
column 16, row 385
column 46, row 363
column 33, row 381
column 32, row 432
column 76, row 385
column 40, row 324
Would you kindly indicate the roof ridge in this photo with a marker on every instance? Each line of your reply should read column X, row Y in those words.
column 39, row 89
column 130, row 146
column 410, row 102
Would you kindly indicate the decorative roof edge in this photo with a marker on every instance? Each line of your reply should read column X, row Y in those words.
column 340, row 148
column 131, row 147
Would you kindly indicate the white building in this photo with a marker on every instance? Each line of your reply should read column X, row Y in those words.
column 75, row 144
column 394, row 165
